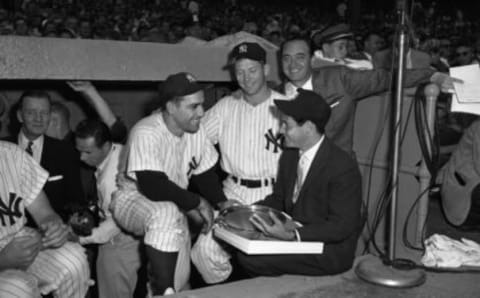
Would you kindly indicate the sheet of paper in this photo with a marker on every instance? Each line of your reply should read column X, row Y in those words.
column 469, row 90
column 464, row 107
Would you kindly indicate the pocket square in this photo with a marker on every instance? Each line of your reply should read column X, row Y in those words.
column 55, row 178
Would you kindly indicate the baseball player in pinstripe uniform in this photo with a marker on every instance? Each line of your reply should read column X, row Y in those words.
column 164, row 152
column 247, row 132
column 34, row 262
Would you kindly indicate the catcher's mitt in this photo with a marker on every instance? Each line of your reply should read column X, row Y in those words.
column 83, row 220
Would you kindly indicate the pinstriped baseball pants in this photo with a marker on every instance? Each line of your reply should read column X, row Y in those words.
column 162, row 224
column 63, row 271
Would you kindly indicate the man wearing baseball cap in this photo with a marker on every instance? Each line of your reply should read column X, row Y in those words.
column 319, row 186
column 165, row 151
column 246, row 128
column 331, row 45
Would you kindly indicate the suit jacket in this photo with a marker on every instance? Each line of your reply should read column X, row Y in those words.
column 415, row 59
column 346, row 86
column 63, row 187
column 328, row 205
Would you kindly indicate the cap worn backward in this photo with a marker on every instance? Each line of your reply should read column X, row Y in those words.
column 248, row 50
column 331, row 33
column 179, row 84
column 308, row 105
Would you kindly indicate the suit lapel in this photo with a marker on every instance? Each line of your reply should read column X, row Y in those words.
column 316, row 168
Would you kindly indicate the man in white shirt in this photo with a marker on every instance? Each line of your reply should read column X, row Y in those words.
column 118, row 252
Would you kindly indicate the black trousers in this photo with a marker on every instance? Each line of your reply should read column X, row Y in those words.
column 275, row 265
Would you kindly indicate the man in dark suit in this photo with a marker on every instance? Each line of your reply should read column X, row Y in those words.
column 59, row 158
column 319, row 186
column 342, row 87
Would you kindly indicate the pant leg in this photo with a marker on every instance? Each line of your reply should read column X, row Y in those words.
column 64, row 270
column 117, row 264
column 275, row 265
column 210, row 259
column 162, row 224
column 18, row 284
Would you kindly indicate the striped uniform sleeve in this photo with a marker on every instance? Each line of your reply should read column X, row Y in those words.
column 145, row 152
column 212, row 121
column 209, row 154
column 32, row 178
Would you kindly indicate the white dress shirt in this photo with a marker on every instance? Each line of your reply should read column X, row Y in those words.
column 106, row 184
column 291, row 90
column 37, row 146
column 304, row 163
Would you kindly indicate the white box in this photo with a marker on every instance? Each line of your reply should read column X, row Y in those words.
column 267, row 247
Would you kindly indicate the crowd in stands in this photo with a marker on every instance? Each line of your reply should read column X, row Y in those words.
column 436, row 30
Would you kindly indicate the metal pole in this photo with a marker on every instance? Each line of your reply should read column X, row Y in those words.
column 397, row 128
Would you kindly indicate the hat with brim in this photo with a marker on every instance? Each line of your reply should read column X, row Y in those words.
column 331, row 34
column 180, row 84
column 247, row 50
column 306, row 106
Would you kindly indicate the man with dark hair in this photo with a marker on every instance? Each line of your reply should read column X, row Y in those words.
column 165, row 151
column 319, row 186
column 63, row 187
column 118, row 253
column 342, row 87
column 59, row 126
column 372, row 43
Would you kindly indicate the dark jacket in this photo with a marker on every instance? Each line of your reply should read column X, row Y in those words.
column 328, row 205
column 346, row 86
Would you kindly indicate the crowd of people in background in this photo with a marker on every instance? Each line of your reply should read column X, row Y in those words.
column 446, row 34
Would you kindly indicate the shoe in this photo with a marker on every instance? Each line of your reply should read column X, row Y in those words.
column 169, row 291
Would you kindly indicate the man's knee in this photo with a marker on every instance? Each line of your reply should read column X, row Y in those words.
column 16, row 284
column 74, row 258
column 164, row 215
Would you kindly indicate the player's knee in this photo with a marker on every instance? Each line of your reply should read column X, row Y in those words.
column 164, row 214
column 78, row 267
column 16, row 283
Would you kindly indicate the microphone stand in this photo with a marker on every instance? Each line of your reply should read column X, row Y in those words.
column 397, row 273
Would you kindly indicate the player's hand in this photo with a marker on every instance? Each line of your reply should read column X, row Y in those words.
column 228, row 203
column 444, row 81
column 20, row 252
column 206, row 212
column 276, row 230
column 81, row 86
column 55, row 234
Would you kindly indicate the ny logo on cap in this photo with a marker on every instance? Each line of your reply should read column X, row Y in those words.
column 190, row 78
column 243, row 48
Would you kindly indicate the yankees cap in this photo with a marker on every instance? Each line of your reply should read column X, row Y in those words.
column 248, row 50
column 179, row 84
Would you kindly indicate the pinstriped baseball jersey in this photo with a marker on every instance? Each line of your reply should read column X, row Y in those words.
column 153, row 147
column 248, row 138
column 21, row 181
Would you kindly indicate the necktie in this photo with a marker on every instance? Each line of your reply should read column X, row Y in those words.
column 301, row 168
column 29, row 148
